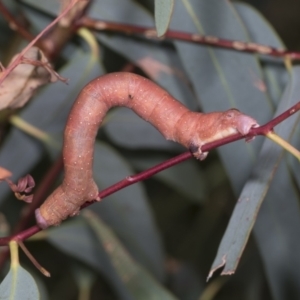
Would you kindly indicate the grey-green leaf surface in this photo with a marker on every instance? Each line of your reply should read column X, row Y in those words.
column 138, row 281
column 163, row 13
column 126, row 129
column 186, row 177
column 18, row 284
column 85, row 278
column 223, row 78
column 261, row 32
column 278, row 224
column 76, row 238
column 127, row 212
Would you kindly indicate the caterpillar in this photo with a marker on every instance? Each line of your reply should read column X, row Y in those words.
column 150, row 102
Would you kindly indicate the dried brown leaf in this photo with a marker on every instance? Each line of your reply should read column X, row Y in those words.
column 23, row 188
column 23, row 81
column 25, row 198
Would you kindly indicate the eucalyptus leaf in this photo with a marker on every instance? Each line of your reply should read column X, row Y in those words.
column 84, row 277
column 127, row 211
column 138, row 281
column 261, row 32
column 278, row 222
column 75, row 238
column 18, row 284
column 222, row 78
column 163, row 14
column 186, row 177
column 126, row 129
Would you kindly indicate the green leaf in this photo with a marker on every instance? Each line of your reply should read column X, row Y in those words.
column 163, row 14
column 127, row 212
column 85, row 280
column 278, row 224
column 221, row 78
column 18, row 285
column 138, row 281
column 126, row 129
column 186, row 177
column 76, row 238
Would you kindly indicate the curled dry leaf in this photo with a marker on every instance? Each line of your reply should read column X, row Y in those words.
column 33, row 71
column 23, row 188
column 44, row 63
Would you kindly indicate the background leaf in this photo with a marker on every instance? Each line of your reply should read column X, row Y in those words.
column 163, row 15
column 127, row 211
column 267, row 181
column 76, row 239
column 223, row 79
column 260, row 31
column 137, row 280
column 18, row 284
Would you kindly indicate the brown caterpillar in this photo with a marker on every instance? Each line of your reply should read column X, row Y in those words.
column 149, row 101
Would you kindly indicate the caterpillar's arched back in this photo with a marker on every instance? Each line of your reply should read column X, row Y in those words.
column 150, row 102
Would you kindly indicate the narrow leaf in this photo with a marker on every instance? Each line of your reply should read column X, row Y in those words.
column 125, row 128
column 18, row 283
column 187, row 177
column 127, row 212
column 261, row 32
column 223, row 78
column 77, row 239
column 139, row 282
column 163, row 13
column 251, row 198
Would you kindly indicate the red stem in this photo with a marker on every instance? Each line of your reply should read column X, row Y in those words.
column 262, row 130
column 129, row 180
column 270, row 125
column 150, row 32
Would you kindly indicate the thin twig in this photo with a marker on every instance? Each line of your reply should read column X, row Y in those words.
column 150, row 33
column 33, row 260
column 262, row 130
